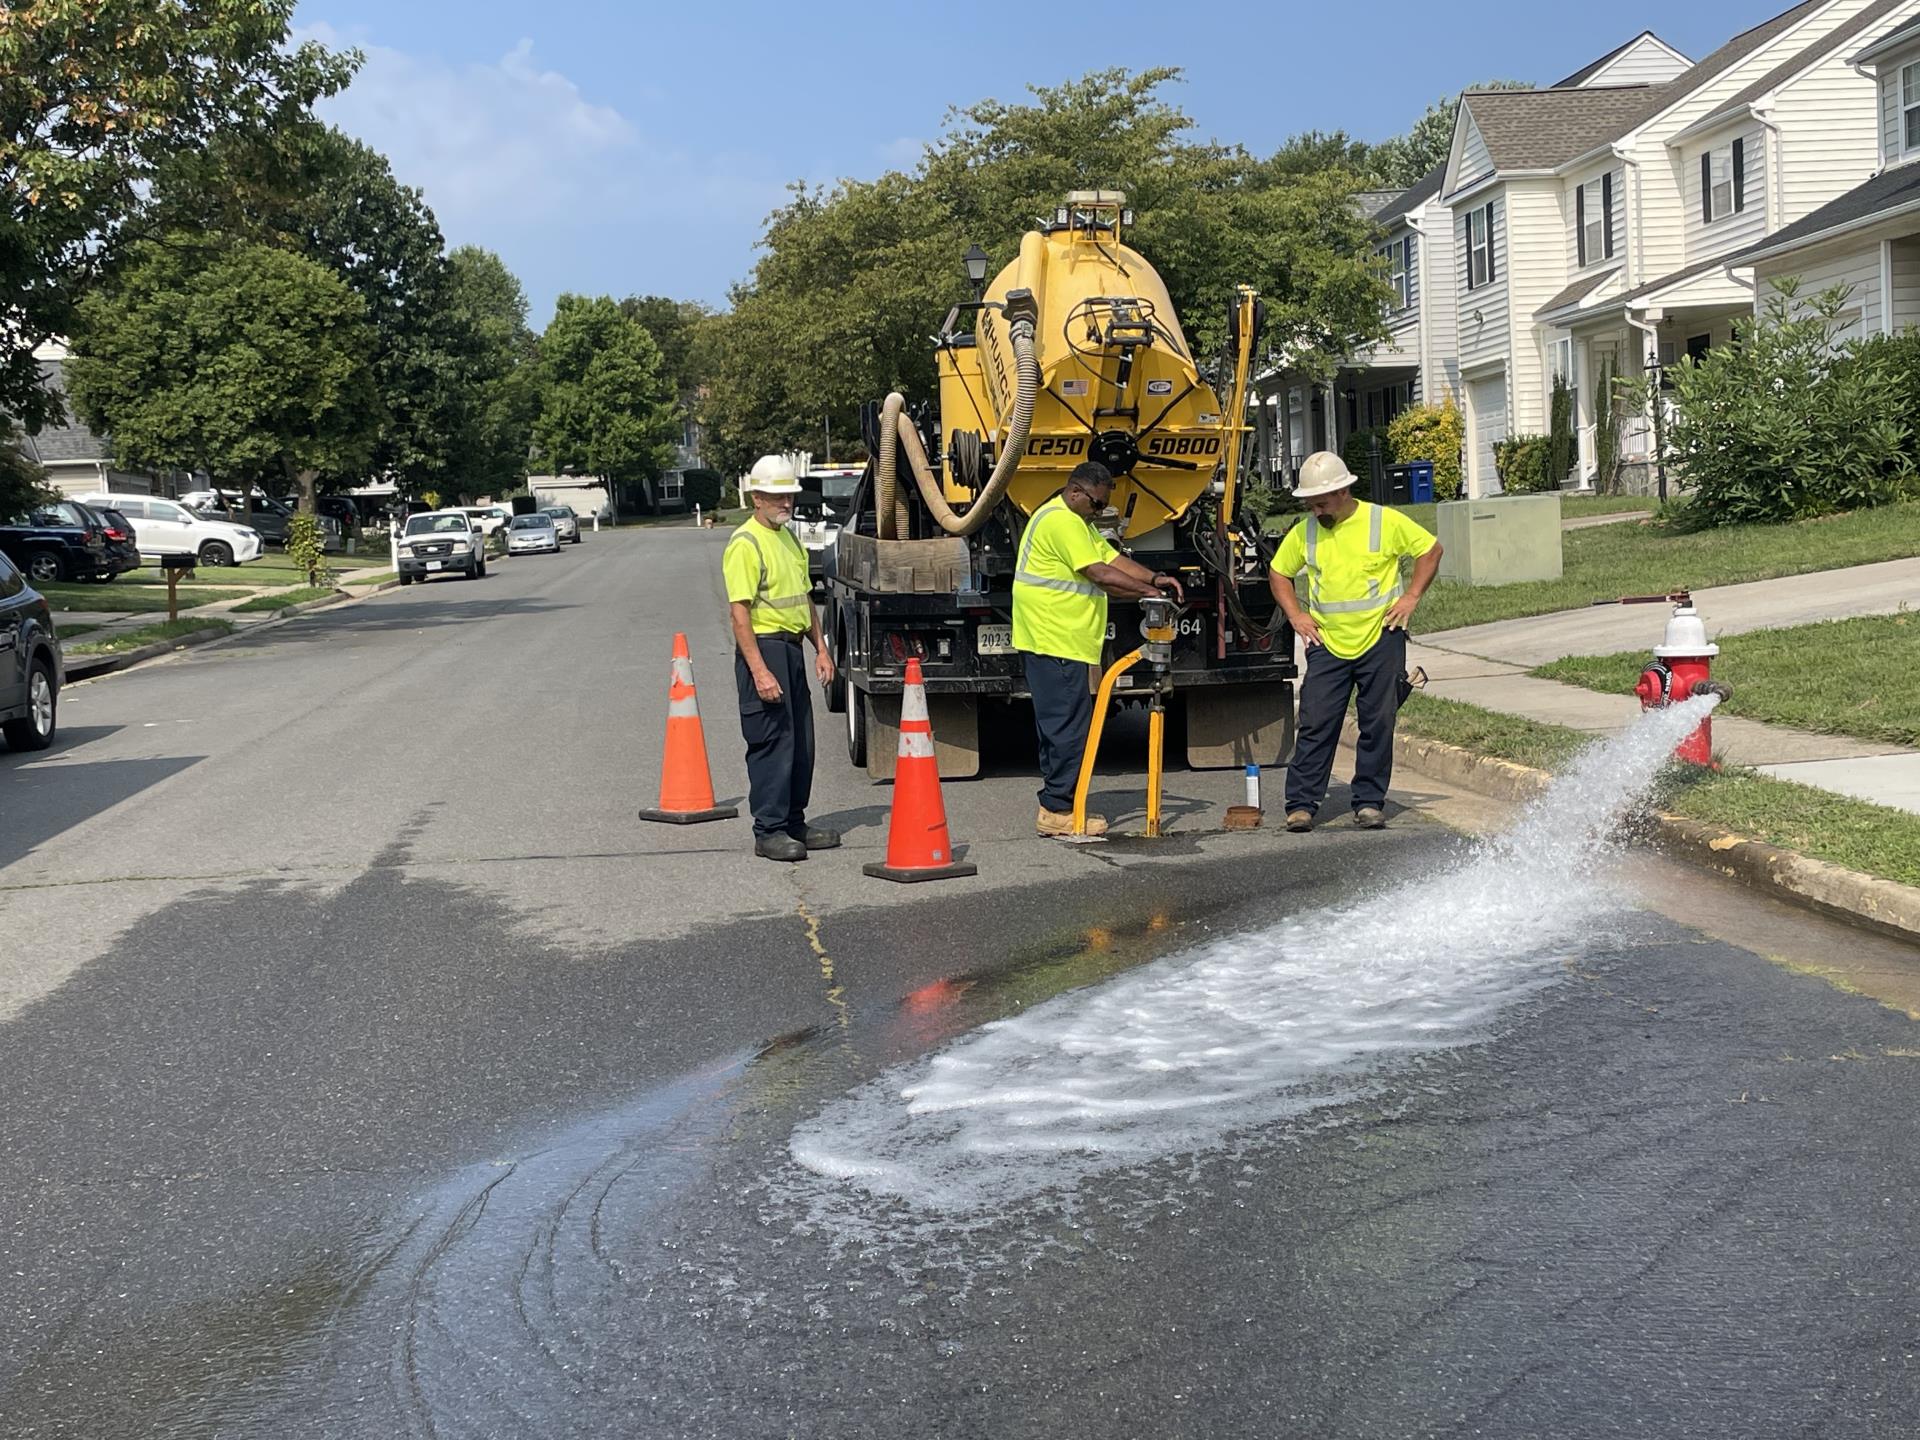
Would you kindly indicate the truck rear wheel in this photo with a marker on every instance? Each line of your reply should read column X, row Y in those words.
column 836, row 688
column 855, row 704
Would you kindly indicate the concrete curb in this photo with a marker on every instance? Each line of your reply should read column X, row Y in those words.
column 1885, row 906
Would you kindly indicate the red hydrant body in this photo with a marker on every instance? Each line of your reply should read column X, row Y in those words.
column 1681, row 665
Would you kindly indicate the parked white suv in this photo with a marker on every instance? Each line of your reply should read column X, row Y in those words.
column 165, row 527
column 440, row 542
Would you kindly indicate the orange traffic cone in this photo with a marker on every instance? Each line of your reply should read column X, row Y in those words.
column 686, row 781
column 917, row 843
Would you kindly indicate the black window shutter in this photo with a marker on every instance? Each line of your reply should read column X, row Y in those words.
column 1466, row 247
column 1580, row 221
column 1740, row 174
column 1706, row 188
column 1606, row 205
column 1490, row 242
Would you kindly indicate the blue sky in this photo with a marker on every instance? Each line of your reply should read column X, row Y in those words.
column 632, row 149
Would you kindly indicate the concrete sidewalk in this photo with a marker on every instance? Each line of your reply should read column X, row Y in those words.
column 1486, row 665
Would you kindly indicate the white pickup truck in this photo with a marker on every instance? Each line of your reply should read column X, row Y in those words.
column 441, row 542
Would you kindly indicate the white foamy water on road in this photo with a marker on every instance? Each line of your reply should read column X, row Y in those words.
column 1181, row 1055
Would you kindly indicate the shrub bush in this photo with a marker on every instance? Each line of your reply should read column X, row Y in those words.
column 1606, row 430
column 702, row 488
column 1561, row 448
column 1524, row 464
column 1783, row 424
column 1433, row 433
column 1358, row 453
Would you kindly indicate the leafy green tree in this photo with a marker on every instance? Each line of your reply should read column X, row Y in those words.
column 608, row 407
column 853, row 278
column 249, row 362
column 498, row 381
column 673, row 324
column 100, row 96
column 1786, row 424
column 22, row 483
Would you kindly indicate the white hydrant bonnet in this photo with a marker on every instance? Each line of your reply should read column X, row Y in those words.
column 1686, row 635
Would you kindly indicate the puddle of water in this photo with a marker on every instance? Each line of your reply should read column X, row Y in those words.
column 1180, row 1056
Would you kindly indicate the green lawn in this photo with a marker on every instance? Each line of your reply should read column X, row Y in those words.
column 380, row 578
column 126, row 600
column 1571, row 507
column 1856, row 677
column 147, row 634
column 1609, row 561
column 67, row 632
column 1872, row 839
column 281, row 599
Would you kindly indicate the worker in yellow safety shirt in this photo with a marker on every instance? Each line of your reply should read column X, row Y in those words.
column 1061, row 580
column 1355, row 628
column 770, row 603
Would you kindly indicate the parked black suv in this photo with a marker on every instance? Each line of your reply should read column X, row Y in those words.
column 116, row 533
column 54, row 542
column 30, row 668
column 269, row 517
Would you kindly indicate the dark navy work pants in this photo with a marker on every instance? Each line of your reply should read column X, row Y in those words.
column 1062, row 715
column 779, row 738
column 1330, row 683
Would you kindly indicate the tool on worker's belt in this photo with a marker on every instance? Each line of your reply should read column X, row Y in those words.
column 1414, row 679
column 1156, row 629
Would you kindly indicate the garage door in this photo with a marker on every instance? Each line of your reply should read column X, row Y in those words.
column 1489, row 425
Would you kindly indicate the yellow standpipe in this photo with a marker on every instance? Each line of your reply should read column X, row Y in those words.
column 1235, row 417
column 1159, row 637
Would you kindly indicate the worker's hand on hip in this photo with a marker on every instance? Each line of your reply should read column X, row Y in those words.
column 767, row 688
column 1172, row 586
column 1401, row 612
column 1308, row 631
column 823, row 666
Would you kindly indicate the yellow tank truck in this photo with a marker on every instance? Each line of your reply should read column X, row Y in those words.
column 1072, row 352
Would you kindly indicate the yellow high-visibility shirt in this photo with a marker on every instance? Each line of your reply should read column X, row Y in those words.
column 765, row 568
column 1353, row 572
column 1056, row 610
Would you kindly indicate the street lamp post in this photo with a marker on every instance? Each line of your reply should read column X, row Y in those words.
column 975, row 261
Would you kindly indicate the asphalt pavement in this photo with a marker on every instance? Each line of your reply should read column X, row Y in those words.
column 372, row 1071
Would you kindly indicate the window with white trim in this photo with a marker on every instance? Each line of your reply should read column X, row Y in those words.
column 1399, row 267
column 673, row 486
column 1593, row 220
column 1480, row 246
column 1723, row 182
column 1910, row 106
column 1561, row 356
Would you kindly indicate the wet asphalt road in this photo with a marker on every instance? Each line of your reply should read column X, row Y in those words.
column 370, row 1073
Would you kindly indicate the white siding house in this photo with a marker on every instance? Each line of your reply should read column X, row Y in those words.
column 1866, row 240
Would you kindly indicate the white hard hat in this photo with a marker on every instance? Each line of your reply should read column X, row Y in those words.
column 1323, row 473
column 772, row 475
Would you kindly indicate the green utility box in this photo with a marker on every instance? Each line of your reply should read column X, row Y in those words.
column 1500, row 541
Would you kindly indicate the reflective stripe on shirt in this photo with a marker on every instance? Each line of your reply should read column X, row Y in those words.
column 1024, row 576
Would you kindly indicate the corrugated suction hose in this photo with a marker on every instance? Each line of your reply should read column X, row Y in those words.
column 1026, row 365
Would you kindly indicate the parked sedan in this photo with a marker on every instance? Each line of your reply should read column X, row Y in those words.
column 441, row 542
column 30, row 665
column 566, row 524
column 532, row 534
column 55, row 541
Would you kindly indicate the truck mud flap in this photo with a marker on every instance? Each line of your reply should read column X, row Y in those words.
column 1231, row 726
column 956, row 734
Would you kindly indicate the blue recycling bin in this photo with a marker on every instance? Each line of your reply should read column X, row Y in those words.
column 1420, row 482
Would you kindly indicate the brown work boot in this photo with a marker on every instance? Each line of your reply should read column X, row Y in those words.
column 1367, row 817
column 1300, row 821
column 1060, row 822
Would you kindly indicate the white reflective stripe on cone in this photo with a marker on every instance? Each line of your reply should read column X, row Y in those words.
column 683, row 709
column 913, row 704
column 916, row 745
column 683, row 671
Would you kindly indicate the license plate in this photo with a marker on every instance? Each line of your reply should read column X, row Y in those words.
column 433, row 564
column 993, row 640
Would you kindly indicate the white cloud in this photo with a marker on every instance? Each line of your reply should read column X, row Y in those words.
column 571, row 192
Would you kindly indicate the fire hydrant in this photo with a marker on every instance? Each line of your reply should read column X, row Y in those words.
column 1681, row 668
